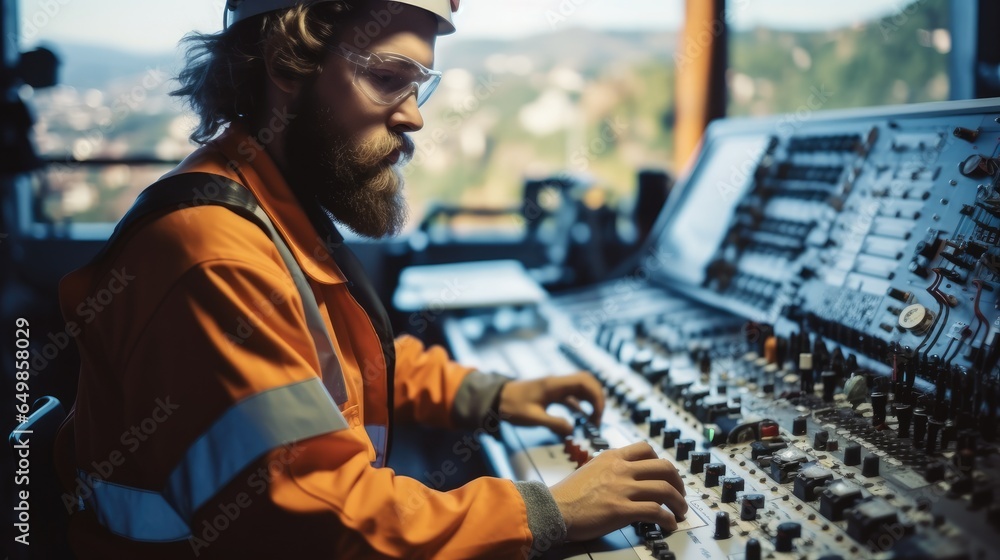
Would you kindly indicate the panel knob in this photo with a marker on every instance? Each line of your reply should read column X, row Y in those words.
column 714, row 471
column 820, row 440
column 749, row 506
column 670, row 437
column 722, row 525
column 879, row 401
column 639, row 415
column 787, row 532
column 799, row 426
column 753, row 550
column 934, row 427
column 870, row 467
column 919, row 426
column 731, row 485
column 656, row 427
column 852, row 455
column 904, row 413
column 684, row 449
column 829, row 379
column 698, row 461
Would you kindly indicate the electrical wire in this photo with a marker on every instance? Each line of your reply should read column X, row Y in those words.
column 980, row 321
column 942, row 308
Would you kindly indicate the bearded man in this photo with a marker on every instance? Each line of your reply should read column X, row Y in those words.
column 237, row 394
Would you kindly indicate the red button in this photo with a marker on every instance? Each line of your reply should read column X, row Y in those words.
column 570, row 445
column 768, row 430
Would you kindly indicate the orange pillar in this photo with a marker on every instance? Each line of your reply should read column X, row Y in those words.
column 701, row 64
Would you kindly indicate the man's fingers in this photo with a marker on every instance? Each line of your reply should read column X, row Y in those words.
column 652, row 512
column 661, row 492
column 658, row 469
column 581, row 386
column 573, row 404
column 556, row 424
column 637, row 451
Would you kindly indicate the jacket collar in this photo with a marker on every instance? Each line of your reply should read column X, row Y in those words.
column 259, row 173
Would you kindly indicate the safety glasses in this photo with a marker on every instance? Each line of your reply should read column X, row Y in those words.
column 388, row 78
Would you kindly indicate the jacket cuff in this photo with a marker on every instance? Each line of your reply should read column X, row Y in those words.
column 548, row 528
column 478, row 396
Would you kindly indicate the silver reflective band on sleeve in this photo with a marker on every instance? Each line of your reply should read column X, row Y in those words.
column 243, row 433
column 132, row 512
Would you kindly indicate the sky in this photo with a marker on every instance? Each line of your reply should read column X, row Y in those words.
column 155, row 26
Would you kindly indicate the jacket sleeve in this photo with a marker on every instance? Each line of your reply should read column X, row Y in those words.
column 229, row 331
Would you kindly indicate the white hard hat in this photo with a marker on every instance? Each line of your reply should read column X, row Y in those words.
column 238, row 10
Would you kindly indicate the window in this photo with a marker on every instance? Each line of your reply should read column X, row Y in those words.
column 117, row 61
column 532, row 88
column 787, row 56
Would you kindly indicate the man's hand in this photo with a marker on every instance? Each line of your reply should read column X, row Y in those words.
column 523, row 403
column 618, row 487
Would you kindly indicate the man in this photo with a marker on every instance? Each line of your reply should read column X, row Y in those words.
column 208, row 423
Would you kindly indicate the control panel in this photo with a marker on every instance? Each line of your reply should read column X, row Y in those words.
column 810, row 336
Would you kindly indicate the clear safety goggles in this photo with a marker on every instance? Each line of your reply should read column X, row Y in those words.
column 388, row 78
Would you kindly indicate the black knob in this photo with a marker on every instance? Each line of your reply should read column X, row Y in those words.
column 879, row 400
column 705, row 363
column 670, row 437
column 731, row 485
column 684, row 448
column 870, row 467
column 934, row 472
column 919, row 426
column 948, row 435
column 658, row 548
column 852, row 455
column 713, row 472
column 787, row 532
column 917, row 268
column 641, row 528
column 829, row 385
column 641, row 360
column 799, row 426
column 656, row 427
column 749, row 506
column 698, row 461
column 722, row 525
column 639, row 415
column 820, row 440
column 753, row 550
column 934, row 428
column 903, row 413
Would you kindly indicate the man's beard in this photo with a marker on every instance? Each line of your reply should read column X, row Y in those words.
column 349, row 177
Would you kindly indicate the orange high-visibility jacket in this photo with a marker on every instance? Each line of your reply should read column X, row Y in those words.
column 198, row 367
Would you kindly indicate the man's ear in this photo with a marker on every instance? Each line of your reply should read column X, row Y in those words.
column 287, row 85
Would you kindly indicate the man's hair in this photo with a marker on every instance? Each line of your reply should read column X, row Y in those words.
column 224, row 77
